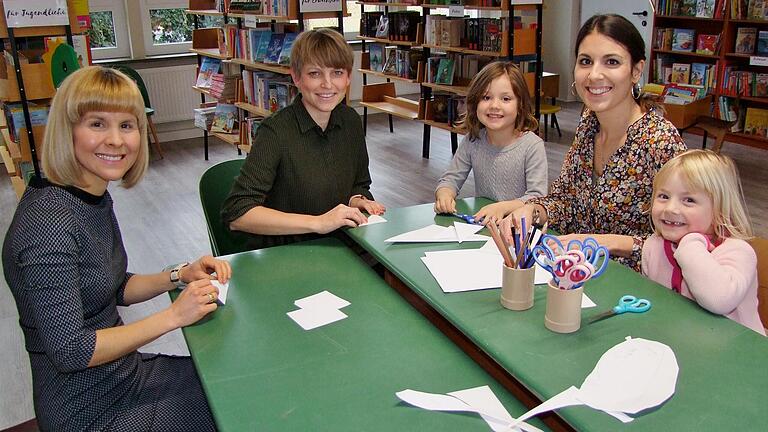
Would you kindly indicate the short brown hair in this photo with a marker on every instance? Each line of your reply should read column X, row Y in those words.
column 324, row 47
column 89, row 89
column 525, row 120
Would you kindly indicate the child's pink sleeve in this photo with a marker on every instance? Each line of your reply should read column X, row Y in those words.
column 717, row 280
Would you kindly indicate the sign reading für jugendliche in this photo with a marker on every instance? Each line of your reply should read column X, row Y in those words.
column 35, row 13
column 319, row 6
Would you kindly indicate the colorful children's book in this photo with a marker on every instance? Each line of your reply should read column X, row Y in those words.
column 698, row 73
column 262, row 46
column 761, row 85
column 445, row 70
column 762, row 42
column 682, row 39
column 208, row 67
column 390, row 66
column 746, row 38
column 224, row 118
column 376, row 54
column 756, row 122
column 705, row 8
column 707, row 44
column 285, row 53
column 275, row 46
column 681, row 73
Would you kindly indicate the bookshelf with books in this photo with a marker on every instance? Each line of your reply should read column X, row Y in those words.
column 714, row 48
column 442, row 52
column 27, row 86
column 253, row 47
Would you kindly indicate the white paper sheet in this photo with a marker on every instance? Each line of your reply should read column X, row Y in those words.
column 479, row 400
column 322, row 300
column 435, row 234
column 465, row 231
column 651, row 367
column 459, row 271
column 223, row 289
column 373, row 219
column 586, row 302
column 310, row 319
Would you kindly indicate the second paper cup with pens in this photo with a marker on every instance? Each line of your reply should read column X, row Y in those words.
column 517, row 274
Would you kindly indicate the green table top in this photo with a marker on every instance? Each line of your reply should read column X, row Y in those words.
column 261, row 371
column 723, row 380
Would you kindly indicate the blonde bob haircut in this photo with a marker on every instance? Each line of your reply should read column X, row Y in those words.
column 480, row 84
column 323, row 47
column 93, row 88
column 716, row 175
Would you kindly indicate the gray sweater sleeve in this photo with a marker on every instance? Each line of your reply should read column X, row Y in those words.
column 459, row 169
column 536, row 175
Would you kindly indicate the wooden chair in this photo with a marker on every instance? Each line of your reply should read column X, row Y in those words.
column 550, row 110
column 761, row 250
column 148, row 110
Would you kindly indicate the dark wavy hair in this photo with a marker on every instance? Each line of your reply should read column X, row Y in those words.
column 623, row 32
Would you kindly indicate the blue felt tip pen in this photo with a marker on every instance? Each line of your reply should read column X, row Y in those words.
column 467, row 218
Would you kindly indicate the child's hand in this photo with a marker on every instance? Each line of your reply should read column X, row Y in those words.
column 492, row 213
column 445, row 201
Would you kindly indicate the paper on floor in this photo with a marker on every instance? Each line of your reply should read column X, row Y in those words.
column 439, row 234
column 479, row 400
column 651, row 366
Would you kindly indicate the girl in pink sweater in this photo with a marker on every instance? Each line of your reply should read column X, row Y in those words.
column 699, row 248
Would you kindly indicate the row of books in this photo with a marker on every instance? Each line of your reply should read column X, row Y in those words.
column 400, row 62
column 251, row 125
column 223, row 87
column 484, row 3
column 682, row 94
column 396, row 26
column 204, row 117
column 448, row 108
column 268, row 91
column 677, row 39
column 257, row 7
column 454, row 69
column 694, row 8
column 698, row 74
column 750, row 41
column 263, row 46
column 749, row 9
column 744, row 83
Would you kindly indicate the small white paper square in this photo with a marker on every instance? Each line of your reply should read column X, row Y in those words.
column 310, row 319
column 223, row 289
column 322, row 300
column 373, row 219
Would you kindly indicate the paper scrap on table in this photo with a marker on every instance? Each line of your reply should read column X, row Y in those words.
column 223, row 289
column 318, row 310
column 440, row 234
column 480, row 400
column 652, row 371
column 586, row 302
column 322, row 300
column 310, row 319
column 373, row 219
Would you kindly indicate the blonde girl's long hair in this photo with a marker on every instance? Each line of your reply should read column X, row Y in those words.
column 717, row 176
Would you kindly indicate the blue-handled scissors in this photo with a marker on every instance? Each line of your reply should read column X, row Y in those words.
column 590, row 251
column 467, row 218
column 627, row 303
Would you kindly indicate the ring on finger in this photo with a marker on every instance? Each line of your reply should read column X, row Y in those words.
column 211, row 297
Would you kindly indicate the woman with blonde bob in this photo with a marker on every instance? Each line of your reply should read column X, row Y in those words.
column 698, row 248
column 66, row 266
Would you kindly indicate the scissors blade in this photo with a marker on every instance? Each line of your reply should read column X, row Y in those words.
column 602, row 316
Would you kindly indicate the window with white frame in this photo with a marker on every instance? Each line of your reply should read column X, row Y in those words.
column 351, row 22
column 166, row 28
column 109, row 30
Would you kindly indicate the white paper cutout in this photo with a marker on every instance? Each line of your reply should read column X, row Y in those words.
column 318, row 310
column 438, row 234
column 633, row 376
column 223, row 289
column 479, row 400
column 372, row 220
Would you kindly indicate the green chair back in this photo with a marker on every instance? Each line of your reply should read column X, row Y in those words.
column 215, row 185
column 139, row 82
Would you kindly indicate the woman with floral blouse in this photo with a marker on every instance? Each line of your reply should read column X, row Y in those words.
column 622, row 140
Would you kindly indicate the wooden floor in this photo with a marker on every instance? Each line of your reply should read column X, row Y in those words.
column 162, row 221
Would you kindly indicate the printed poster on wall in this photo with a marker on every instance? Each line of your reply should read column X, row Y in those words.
column 319, row 6
column 35, row 13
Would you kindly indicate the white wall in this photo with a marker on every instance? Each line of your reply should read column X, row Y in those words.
column 559, row 27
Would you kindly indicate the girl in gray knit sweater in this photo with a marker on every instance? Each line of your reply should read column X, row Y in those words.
column 501, row 145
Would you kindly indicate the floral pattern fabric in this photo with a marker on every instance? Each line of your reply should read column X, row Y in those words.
column 618, row 200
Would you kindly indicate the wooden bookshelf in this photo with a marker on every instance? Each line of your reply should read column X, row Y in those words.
column 209, row 52
column 253, row 109
column 229, row 138
column 456, row 89
column 387, row 76
column 204, row 12
column 10, row 166
column 269, row 67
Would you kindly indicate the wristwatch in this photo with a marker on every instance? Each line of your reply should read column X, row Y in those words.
column 175, row 279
